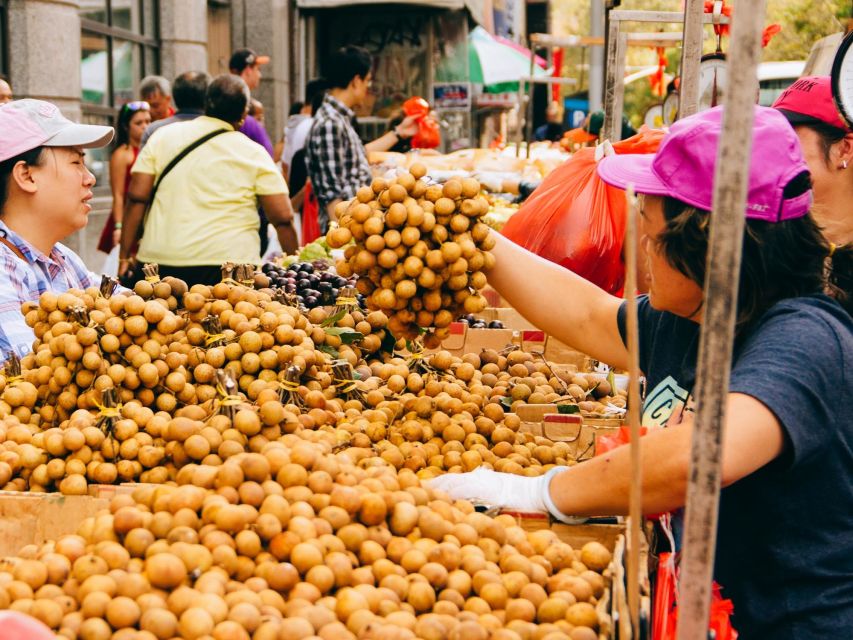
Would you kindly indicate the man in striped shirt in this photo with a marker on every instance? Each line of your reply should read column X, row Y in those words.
column 45, row 189
column 336, row 157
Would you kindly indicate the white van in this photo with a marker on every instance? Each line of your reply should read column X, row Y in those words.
column 775, row 77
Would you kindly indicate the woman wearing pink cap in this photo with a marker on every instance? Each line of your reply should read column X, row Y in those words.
column 45, row 189
column 785, row 550
column 827, row 144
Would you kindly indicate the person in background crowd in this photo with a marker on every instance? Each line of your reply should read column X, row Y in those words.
column 45, row 189
column 588, row 133
column 296, row 133
column 278, row 147
column 553, row 128
column 5, row 90
column 827, row 144
column 157, row 92
column 256, row 110
column 204, row 212
column 247, row 64
column 188, row 92
column 788, row 434
column 131, row 122
column 337, row 159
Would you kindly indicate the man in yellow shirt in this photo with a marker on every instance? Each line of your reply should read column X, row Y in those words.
column 205, row 209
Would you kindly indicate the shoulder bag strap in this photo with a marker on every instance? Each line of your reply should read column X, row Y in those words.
column 183, row 154
column 12, row 247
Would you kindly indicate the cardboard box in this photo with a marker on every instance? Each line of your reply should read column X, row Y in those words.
column 34, row 518
column 579, row 433
column 463, row 339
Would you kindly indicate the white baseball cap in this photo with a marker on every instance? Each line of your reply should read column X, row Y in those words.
column 27, row 124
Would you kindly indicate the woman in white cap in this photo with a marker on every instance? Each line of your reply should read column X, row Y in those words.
column 45, row 189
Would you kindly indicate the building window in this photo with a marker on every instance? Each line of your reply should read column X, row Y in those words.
column 4, row 41
column 119, row 47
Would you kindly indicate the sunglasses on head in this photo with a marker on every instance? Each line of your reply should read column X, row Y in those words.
column 138, row 105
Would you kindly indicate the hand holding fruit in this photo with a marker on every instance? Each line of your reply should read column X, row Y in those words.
column 407, row 128
column 507, row 490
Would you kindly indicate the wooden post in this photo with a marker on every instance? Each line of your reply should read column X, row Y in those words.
column 691, row 55
column 610, row 77
column 717, row 336
column 614, row 133
column 635, row 510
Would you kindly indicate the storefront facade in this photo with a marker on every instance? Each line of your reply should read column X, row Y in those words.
column 420, row 48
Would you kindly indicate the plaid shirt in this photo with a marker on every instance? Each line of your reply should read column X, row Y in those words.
column 25, row 280
column 337, row 161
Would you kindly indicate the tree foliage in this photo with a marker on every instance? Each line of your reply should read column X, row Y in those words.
column 803, row 23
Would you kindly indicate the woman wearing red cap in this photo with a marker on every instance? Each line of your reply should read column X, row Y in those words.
column 827, row 144
column 785, row 552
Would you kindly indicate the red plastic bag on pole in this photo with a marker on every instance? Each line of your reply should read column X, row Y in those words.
column 574, row 219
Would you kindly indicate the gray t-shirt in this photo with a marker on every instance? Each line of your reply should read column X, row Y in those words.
column 785, row 537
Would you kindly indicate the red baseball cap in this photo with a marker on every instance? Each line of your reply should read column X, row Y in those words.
column 809, row 101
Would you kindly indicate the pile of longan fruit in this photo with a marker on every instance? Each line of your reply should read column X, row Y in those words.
column 298, row 541
column 420, row 251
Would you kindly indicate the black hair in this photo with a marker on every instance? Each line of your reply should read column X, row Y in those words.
column 315, row 90
column 780, row 259
column 123, row 117
column 188, row 90
column 347, row 63
column 295, row 108
column 227, row 98
column 828, row 135
column 33, row 157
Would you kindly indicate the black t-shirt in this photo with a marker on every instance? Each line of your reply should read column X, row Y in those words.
column 785, row 538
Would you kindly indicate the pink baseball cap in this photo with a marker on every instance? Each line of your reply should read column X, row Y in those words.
column 683, row 167
column 809, row 101
column 27, row 124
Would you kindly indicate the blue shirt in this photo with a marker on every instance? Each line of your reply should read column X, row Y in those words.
column 785, row 534
column 25, row 280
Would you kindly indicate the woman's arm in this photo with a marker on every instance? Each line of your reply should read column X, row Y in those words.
column 601, row 486
column 753, row 437
column 559, row 302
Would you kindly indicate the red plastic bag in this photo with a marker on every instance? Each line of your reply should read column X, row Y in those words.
column 429, row 134
column 574, row 219
column 603, row 444
column 665, row 613
column 310, row 216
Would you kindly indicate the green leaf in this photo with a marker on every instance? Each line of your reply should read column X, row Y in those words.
column 329, row 351
column 333, row 319
column 506, row 403
column 568, row 409
column 346, row 334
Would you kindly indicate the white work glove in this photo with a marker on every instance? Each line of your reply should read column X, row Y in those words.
column 506, row 490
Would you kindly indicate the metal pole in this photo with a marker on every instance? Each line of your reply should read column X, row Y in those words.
column 635, row 509
column 530, row 93
column 596, row 58
column 691, row 55
column 717, row 337
column 610, row 77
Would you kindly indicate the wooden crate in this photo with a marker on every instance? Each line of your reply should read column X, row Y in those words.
column 34, row 518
